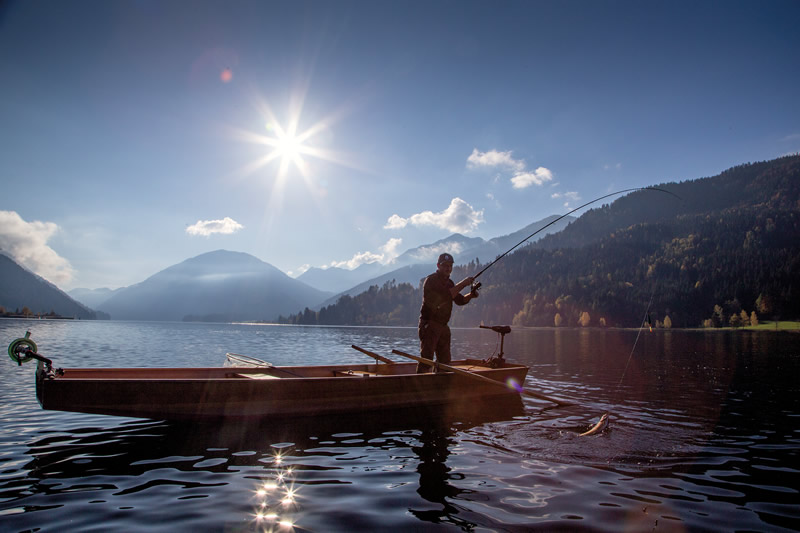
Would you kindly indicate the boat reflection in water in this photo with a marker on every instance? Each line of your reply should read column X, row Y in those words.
column 272, row 473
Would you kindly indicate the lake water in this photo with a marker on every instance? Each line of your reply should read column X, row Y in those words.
column 704, row 435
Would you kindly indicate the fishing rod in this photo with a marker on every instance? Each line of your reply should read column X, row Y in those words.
column 565, row 215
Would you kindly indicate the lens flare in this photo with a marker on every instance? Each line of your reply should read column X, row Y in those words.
column 513, row 384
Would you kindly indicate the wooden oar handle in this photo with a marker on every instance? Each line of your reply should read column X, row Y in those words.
column 373, row 354
column 449, row 368
column 473, row 375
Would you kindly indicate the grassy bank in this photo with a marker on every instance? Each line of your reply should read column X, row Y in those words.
column 781, row 325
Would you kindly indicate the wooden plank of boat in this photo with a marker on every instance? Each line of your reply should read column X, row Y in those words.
column 191, row 393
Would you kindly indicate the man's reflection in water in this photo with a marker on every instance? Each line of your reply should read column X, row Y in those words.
column 434, row 477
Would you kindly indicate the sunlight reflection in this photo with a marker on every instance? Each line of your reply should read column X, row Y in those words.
column 276, row 498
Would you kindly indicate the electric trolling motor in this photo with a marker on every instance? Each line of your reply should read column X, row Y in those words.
column 498, row 361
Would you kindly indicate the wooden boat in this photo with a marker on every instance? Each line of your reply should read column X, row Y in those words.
column 285, row 391
column 264, row 391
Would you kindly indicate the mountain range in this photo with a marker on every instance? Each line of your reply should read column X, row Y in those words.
column 234, row 286
column 407, row 267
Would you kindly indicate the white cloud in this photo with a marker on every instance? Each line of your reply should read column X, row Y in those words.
column 616, row 166
column 431, row 253
column 226, row 226
column 299, row 271
column 26, row 242
column 493, row 158
column 458, row 217
column 389, row 251
column 357, row 260
column 396, row 222
column 522, row 177
column 571, row 195
column 539, row 176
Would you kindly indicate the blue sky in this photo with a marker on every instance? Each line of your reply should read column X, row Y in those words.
column 136, row 134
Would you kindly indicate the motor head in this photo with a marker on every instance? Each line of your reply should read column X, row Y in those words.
column 502, row 330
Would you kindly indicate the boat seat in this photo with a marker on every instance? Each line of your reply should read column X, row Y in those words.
column 353, row 373
column 256, row 376
column 470, row 368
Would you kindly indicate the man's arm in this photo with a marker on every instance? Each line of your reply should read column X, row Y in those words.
column 458, row 287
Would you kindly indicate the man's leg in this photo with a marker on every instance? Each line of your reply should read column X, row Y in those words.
column 428, row 340
column 443, row 346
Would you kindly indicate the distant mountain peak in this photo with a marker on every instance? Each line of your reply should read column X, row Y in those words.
column 215, row 286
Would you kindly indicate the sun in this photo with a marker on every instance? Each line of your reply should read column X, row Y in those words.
column 291, row 154
column 287, row 145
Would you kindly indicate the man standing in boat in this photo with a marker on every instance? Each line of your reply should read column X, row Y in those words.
column 438, row 294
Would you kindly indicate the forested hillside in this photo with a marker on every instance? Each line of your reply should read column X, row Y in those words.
column 728, row 248
column 24, row 293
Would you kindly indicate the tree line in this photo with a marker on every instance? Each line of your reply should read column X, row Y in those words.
column 25, row 312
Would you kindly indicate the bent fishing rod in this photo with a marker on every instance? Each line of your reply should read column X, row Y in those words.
column 476, row 286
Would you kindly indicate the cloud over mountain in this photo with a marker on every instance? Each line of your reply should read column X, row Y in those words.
column 26, row 242
column 521, row 177
column 388, row 252
column 459, row 217
column 226, row 226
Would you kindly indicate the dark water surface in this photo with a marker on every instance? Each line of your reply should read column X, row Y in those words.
column 704, row 436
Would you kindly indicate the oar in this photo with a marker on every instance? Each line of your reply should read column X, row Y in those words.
column 467, row 373
column 373, row 354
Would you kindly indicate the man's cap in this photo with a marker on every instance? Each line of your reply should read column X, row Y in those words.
column 445, row 258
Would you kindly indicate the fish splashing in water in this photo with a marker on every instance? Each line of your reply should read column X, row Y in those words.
column 597, row 428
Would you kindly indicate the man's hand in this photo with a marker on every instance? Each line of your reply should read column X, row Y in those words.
column 473, row 293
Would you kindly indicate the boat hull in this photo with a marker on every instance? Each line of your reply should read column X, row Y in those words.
column 279, row 392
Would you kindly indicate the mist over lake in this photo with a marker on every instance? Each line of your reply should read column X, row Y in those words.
column 703, row 436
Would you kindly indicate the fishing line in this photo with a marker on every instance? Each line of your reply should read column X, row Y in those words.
column 645, row 320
